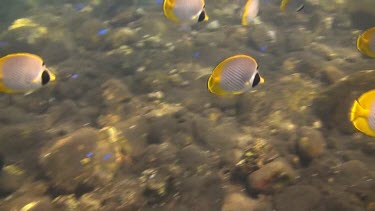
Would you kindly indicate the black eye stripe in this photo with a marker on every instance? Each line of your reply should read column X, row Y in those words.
column 45, row 77
column 202, row 16
column 256, row 80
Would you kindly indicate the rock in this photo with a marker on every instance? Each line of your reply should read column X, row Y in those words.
column 29, row 203
column 122, row 36
column 310, row 145
column 207, row 186
column 265, row 35
column 333, row 104
column 88, row 36
column 362, row 14
column 342, row 201
column 157, row 155
column 213, row 136
column 238, row 202
column 88, row 155
column 11, row 179
column 254, row 108
column 2, row 161
column 330, row 74
column 298, row 198
column 18, row 140
column 90, row 202
column 353, row 172
column 297, row 39
column 28, row 31
column 135, row 132
column 368, row 147
column 67, row 202
column 257, row 154
column 156, row 185
column 271, row 177
column 115, row 92
column 213, row 25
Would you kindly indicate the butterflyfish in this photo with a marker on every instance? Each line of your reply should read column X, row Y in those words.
column 234, row 75
column 366, row 42
column 185, row 11
column 294, row 5
column 362, row 113
column 23, row 72
column 250, row 11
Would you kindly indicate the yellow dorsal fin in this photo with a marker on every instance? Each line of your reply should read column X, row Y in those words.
column 366, row 99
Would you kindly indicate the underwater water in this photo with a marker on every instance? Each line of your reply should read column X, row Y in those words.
column 130, row 125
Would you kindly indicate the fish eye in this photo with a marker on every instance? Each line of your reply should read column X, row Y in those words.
column 45, row 77
column 202, row 16
column 256, row 80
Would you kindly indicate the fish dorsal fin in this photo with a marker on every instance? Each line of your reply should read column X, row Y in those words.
column 367, row 99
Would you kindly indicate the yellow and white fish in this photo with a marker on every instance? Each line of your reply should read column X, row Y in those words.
column 293, row 5
column 185, row 11
column 235, row 75
column 366, row 42
column 250, row 11
column 23, row 72
column 362, row 113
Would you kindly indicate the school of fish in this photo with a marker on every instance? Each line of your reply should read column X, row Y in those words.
column 237, row 74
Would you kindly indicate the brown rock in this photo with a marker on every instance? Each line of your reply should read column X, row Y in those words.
column 272, row 176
